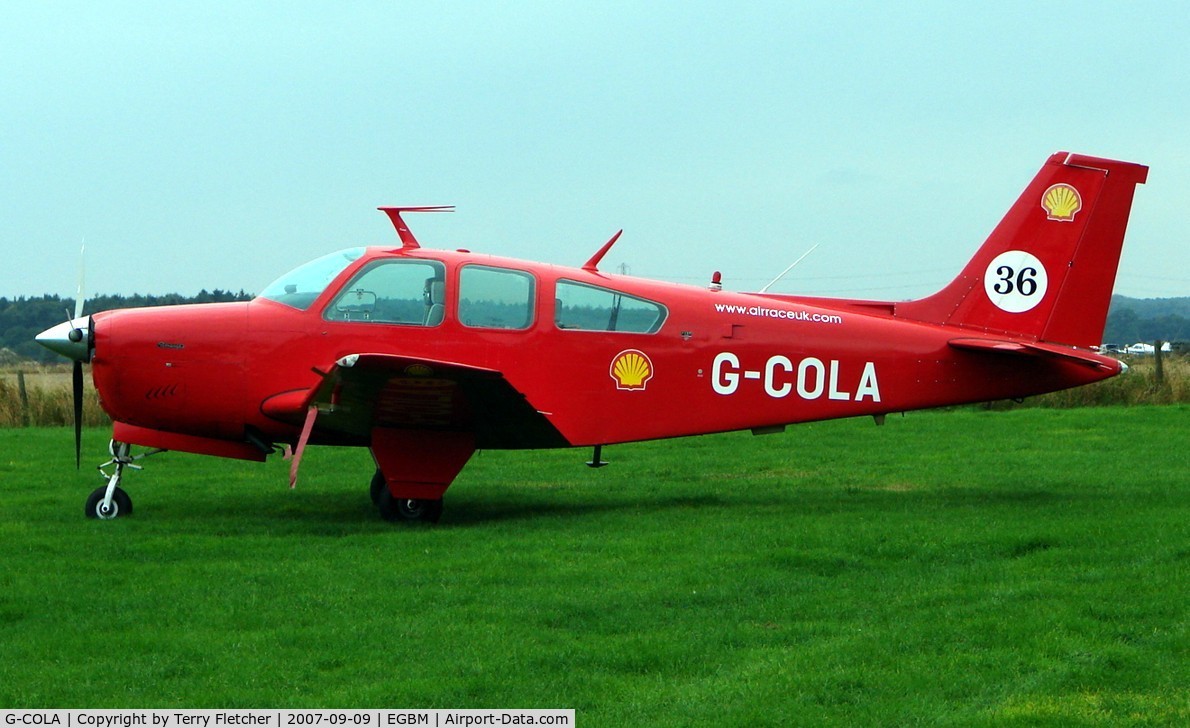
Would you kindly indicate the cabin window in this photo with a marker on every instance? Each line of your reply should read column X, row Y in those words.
column 592, row 308
column 302, row 285
column 409, row 292
column 495, row 298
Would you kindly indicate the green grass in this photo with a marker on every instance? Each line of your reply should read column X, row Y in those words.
column 957, row 568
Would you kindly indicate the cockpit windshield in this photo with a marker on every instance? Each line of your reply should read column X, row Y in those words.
column 299, row 287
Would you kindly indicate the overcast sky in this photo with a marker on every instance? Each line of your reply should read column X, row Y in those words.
column 217, row 145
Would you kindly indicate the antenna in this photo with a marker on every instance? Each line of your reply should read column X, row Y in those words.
column 593, row 263
column 791, row 265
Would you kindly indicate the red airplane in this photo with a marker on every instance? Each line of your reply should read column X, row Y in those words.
column 424, row 356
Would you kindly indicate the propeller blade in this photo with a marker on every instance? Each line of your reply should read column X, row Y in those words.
column 78, row 413
column 78, row 297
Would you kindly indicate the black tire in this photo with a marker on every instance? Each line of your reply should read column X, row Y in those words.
column 408, row 510
column 378, row 486
column 121, row 504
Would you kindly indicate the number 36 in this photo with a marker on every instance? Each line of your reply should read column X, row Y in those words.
column 1025, row 281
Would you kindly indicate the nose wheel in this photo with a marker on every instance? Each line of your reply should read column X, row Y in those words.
column 100, row 506
column 112, row 501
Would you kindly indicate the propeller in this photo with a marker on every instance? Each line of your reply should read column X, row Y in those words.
column 76, row 335
column 74, row 339
column 78, row 413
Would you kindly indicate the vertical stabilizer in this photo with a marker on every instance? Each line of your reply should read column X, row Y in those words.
column 1046, row 272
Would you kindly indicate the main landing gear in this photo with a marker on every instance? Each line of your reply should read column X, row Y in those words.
column 111, row 501
column 425, row 463
column 406, row 510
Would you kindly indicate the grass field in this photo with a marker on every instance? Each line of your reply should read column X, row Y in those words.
column 950, row 568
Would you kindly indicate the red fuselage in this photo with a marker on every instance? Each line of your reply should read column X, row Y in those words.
column 719, row 360
column 425, row 356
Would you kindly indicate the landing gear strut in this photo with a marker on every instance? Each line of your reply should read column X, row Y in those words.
column 111, row 501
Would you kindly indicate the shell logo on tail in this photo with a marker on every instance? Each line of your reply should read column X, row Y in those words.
column 1061, row 202
column 631, row 369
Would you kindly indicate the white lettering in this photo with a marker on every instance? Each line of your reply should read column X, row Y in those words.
column 769, row 385
column 834, row 387
column 867, row 384
column 804, row 391
column 779, row 313
column 812, row 380
column 725, row 382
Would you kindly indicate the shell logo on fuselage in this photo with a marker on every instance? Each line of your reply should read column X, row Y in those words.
column 631, row 369
column 1061, row 202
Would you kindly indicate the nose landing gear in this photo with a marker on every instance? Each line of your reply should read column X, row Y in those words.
column 111, row 501
column 99, row 505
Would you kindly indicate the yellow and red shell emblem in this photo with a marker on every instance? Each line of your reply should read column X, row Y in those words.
column 1061, row 202
column 631, row 369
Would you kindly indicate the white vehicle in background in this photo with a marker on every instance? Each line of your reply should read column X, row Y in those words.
column 1149, row 349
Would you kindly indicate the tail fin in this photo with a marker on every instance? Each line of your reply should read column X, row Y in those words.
column 1046, row 272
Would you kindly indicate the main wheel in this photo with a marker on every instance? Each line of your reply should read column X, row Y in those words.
column 121, row 504
column 408, row 509
column 378, row 486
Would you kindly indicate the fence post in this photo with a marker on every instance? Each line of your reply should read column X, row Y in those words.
column 24, row 398
column 1159, row 370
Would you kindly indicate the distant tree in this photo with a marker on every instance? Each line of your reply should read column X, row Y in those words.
column 1132, row 319
column 1122, row 327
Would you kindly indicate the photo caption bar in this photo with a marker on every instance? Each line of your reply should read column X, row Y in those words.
column 183, row 718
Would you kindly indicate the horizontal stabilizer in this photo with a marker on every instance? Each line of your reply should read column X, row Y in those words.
column 1020, row 348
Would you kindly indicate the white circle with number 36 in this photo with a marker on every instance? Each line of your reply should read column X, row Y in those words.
column 1015, row 281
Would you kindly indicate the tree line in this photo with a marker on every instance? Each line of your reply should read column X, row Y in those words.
column 23, row 318
column 1147, row 319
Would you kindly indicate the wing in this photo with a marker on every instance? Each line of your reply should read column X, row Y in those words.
column 366, row 391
